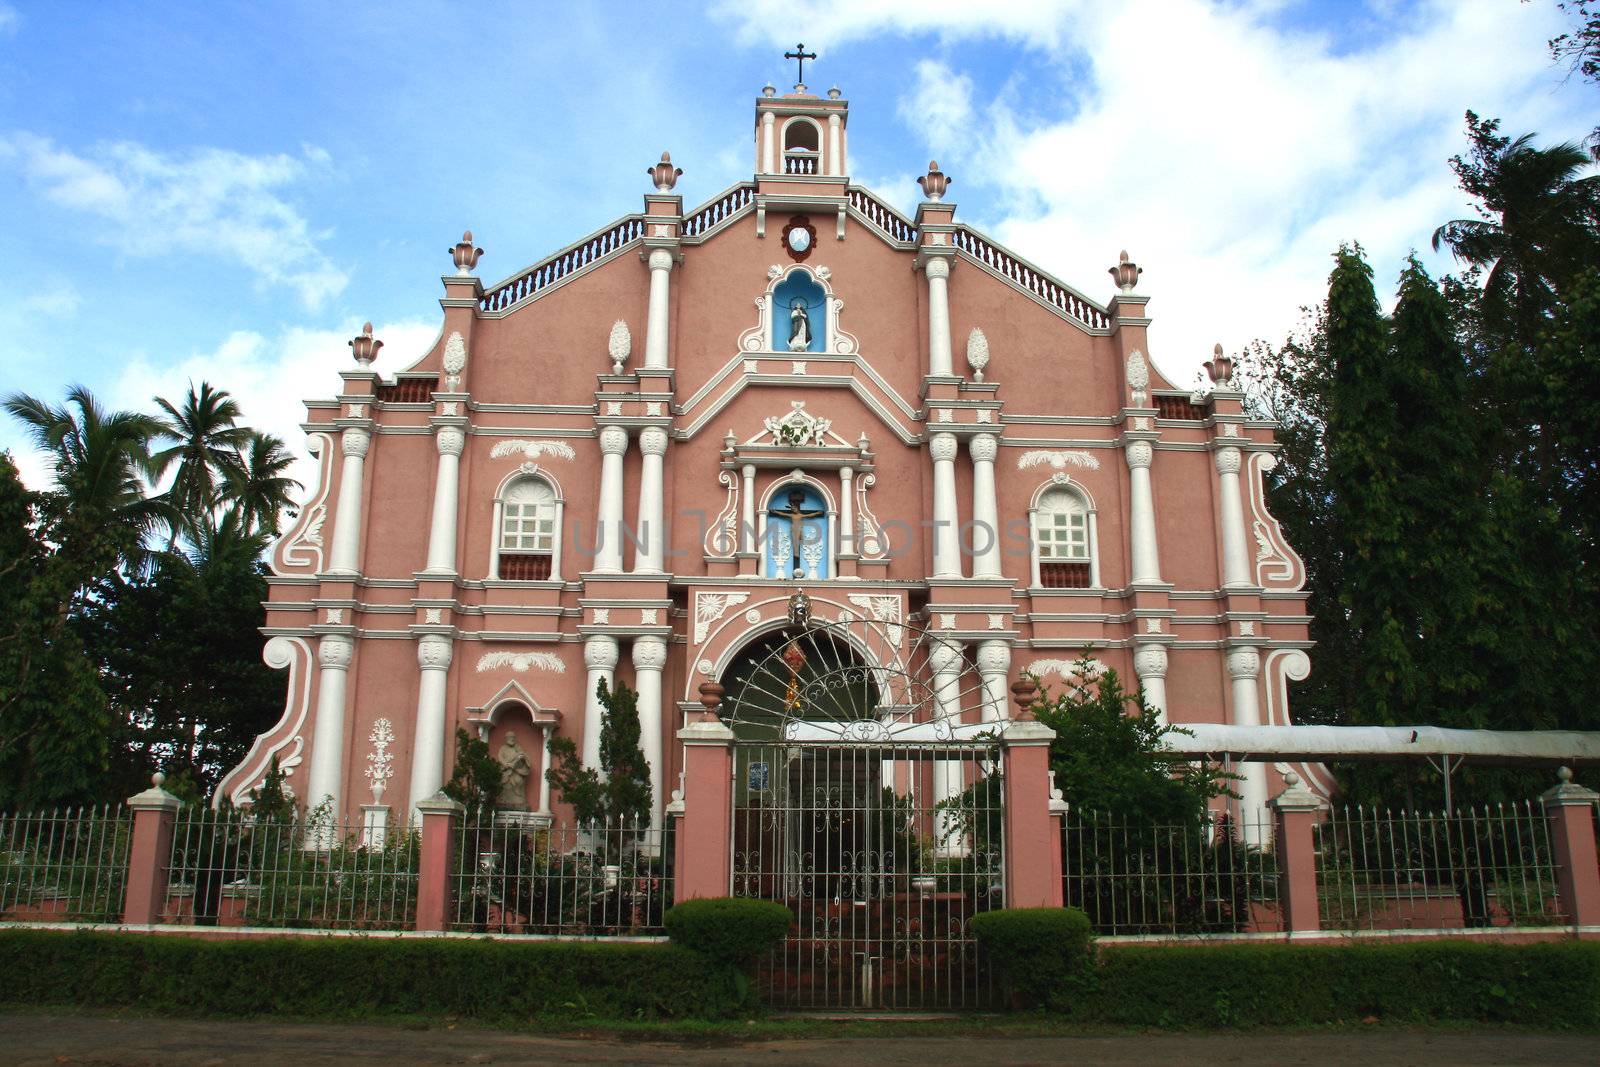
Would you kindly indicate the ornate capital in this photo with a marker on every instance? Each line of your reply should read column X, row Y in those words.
column 600, row 653
column 984, row 447
column 451, row 440
column 355, row 442
column 1227, row 460
column 1244, row 663
column 937, row 267
column 649, row 653
column 434, row 652
column 1150, row 661
column 613, row 440
column 653, row 441
column 994, row 657
column 943, row 447
column 660, row 259
column 944, row 657
column 1139, row 453
column 335, row 650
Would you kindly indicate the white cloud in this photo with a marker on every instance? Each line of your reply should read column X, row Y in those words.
column 58, row 300
column 1228, row 154
column 206, row 203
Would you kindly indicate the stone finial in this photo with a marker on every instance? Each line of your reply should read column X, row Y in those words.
column 1220, row 366
column 619, row 345
column 364, row 347
column 834, row 93
column 1024, row 691
column 159, row 779
column 1126, row 272
column 711, row 700
column 935, row 182
column 769, row 90
column 977, row 353
column 464, row 255
column 664, row 174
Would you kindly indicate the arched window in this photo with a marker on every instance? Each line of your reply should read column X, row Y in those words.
column 527, row 531
column 1063, row 541
column 802, row 148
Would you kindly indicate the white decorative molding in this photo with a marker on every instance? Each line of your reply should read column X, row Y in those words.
column 521, row 661
column 722, row 538
column 883, row 609
column 455, row 361
column 649, row 616
column 380, row 761
column 1057, row 459
column 335, row 617
column 432, row 616
column 710, row 607
column 705, row 666
column 977, row 353
column 652, row 409
column 296, row 654
column 1247, row 628
column 762, row 336
column 947, row 621
column 1152, row 626
column 752, row 366
column 872, row 543
column 613, row 407
column 985, row 415
column 946, row 415
column 602, row 617
column 302, row 546
column 1066, row 668
column 798, row 366
column 619, row 346
column 997, row 621
column 753, row 616
column 1138, row 377
column 798, row 427
column 1277, row 565
column 535, row 448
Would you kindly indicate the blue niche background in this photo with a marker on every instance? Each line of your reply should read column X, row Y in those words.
column 799, row 286
column 813, row 535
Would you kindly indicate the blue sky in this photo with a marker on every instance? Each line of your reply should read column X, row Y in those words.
column 226, row 190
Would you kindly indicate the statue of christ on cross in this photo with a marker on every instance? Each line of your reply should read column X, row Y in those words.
column 795, row 515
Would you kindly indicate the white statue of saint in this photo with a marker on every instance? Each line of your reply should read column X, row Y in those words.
column 799, row 326
column 515, row 769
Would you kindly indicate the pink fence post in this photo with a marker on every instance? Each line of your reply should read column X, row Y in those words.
column 705, row 829
column 1058, row 839
column 439, row 815
column 1296, row 809
column 1033, row 870
column 155, row 813
column 1570, row 809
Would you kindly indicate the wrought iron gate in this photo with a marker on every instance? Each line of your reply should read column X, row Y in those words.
column 866, row 798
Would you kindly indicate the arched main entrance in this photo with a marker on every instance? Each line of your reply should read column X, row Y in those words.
column 866, row 798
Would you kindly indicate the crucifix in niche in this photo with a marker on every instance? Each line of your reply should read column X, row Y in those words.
column 799, row 538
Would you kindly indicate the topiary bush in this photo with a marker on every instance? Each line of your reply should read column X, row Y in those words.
column 729, row 930
column 1038, row 951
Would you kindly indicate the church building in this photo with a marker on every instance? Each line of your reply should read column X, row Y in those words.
column 621, row 462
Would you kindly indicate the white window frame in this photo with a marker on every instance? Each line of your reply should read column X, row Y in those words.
column 497, row 534
column 1091, row 531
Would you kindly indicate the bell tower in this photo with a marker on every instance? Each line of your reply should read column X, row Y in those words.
column 801, row 136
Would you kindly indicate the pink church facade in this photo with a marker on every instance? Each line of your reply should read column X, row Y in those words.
column 620, row 462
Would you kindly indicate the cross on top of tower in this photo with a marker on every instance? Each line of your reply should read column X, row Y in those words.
column 800, row 55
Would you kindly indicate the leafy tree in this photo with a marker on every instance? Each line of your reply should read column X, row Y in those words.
column 619, row 790
column 257, row 488
column 477, row 779
column 1580, row 49
column 203, row 441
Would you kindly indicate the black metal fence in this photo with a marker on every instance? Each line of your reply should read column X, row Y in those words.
column 64, row 865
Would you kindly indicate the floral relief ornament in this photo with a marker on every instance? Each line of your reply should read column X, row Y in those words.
column 380, row 762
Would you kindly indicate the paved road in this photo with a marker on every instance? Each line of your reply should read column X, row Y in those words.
column 104, row 1041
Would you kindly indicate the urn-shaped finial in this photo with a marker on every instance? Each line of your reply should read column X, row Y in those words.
column 769, row 90
column 935, row 182
column 619, row 345
column 1024, row 691
column 1220, row 366
column 464, row 255
column 977, row 353
column 664, row 174
column 1126, row 272
column 364, row 347
column 834, row 93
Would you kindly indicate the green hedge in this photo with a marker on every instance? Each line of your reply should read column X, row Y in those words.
column 729, row 930
column 351, row 977
column 1551, row 984
column 1037, row 951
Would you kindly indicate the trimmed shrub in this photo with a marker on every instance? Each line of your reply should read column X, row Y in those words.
column 495, row 982
column 1038, row 951
column 729, row 930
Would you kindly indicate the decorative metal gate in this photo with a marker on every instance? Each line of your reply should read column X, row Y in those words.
column 865, row 801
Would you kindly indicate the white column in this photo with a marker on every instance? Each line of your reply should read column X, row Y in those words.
column 1235, row 560
column 434, row 652
column 769, row 142
column 944, row 659
column 994, row 668
column 938, row 272
column 835, row 147
column 608, row 520
column 544, row 770
column 946, row 517
column 747, row 509
column 1150, row 665
column 1142, row 508
column 985, row 510
column 346, row 554
column 649, row 657
column 325, row 778
column 652, row 547
column 847, row 513
column 446, row 498
column 600, row 658
column 655, row 336
column 1244, row 667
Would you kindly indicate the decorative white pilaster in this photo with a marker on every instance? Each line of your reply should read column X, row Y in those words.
column 985, row 510
column 769, row 143
column 325, row 781
column 946, row 519
column 1142, row 517
column 655, row 336
column 944, row 659
column 847, row 513
column 600, row 658
column 1150, row 665
column 345, row 557
column 1235, row 560
column 650, row 552
column 835, row 147
column 649, row 657
column 938, row 272
column 747, row 509
column 544, row 770
column 446, row 498
column 1244, row 668
column 434, row 652
column 994, row 668
column 608, row 520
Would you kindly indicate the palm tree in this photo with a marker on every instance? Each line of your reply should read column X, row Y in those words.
column 203, row 441
column 256, row 486
column 1540, row 221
